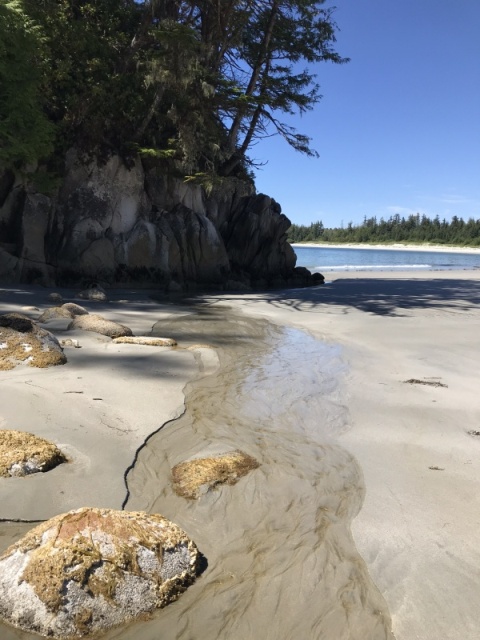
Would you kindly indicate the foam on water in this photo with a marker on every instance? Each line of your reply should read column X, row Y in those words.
column 373, row 259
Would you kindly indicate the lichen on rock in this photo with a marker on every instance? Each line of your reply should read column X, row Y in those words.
column 92, row 569
column 23, row 341
column 194, row 477
column 23, row 453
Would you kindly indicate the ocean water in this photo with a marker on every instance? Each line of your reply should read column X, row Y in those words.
column 325, row 259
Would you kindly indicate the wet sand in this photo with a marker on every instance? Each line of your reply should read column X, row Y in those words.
column 311, row 383
column 281, row 559
column 418, row 527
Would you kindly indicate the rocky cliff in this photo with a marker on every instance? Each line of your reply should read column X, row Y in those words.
column 117, row 225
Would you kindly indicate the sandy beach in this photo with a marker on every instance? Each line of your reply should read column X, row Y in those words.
column 441, row 248
column 362, row 519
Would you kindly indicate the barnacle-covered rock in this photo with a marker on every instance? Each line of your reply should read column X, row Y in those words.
column 92, row 569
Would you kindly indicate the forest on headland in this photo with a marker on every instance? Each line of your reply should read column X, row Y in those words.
column 192, row 84
column 414, row 229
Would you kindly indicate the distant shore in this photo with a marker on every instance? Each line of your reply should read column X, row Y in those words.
column 398, row 246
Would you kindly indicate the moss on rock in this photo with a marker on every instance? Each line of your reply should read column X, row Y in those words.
column 190, row 477
column 23, row 341
column 23, row 453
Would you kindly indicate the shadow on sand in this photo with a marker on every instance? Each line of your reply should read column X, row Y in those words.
column 378, row 296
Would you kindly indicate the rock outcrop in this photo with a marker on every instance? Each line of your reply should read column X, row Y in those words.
column 23, row 341
column 88, row 570
column 117, row 225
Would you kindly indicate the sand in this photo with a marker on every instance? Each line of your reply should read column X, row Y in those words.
column 363, row 514
column 440, row 248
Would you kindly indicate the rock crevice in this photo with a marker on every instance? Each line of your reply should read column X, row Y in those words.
column 117, row 225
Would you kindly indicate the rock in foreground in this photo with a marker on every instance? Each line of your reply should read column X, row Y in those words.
column 22, row 341
column 194, row 477
column 23, row 453
column 92, row 569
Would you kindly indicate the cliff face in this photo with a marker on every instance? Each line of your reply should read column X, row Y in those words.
column 122, row 226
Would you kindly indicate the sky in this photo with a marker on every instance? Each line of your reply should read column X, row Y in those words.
column 398, row 127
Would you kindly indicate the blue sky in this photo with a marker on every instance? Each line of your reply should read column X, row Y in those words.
column 398, row 127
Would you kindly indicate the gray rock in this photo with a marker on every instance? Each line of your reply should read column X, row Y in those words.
column 74, row 309
column 54, row 313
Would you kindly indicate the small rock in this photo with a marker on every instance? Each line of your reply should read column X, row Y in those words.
column 193, row 477
column 96, row 292
column 55, row 297
column 54, row 313
column 23, row 453
column 99, row 324
column 88, row 570
column 74, row 309
column 23, row 341
column 70, row 342
column 146, row 340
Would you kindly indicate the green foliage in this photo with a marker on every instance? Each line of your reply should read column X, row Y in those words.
column 25, row 132
column 207, row 180
column 413, row 229
column 192, row 83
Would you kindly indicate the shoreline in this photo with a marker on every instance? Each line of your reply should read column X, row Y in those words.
column 390, row 247
column 412, row 441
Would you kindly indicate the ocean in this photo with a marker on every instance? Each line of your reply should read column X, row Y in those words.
column 325, row 259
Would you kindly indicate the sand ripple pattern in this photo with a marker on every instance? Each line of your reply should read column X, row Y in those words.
column 281, row 561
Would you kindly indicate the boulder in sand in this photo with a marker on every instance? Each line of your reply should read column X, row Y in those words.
column 195, row 477
column 99, row 324
column 146, row 340
column 23, row 453
column 23, row 341
column 52, row 313
column 74, row 309
column 93, row 293
column 88, row 570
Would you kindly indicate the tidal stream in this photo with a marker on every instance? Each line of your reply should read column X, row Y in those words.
column 281, row 562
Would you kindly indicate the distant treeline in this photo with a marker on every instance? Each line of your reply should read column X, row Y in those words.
column 414, row 229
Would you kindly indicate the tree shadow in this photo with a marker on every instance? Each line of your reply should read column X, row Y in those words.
column 377, row 296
